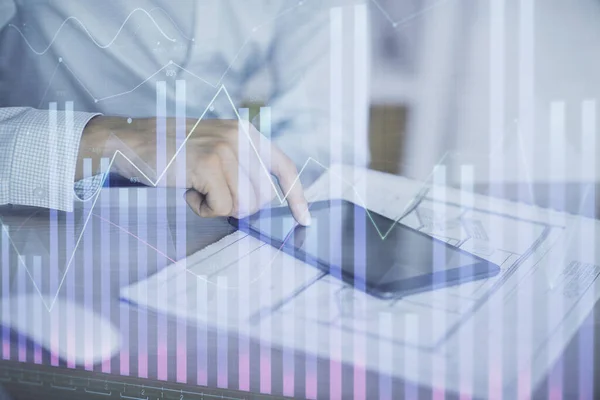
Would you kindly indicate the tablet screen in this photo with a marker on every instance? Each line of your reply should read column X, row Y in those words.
column 348, row 241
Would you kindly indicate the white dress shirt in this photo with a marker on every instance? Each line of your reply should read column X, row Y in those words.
column 106, row 57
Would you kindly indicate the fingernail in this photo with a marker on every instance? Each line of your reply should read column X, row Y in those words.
column 306, row 218
column 301, row 214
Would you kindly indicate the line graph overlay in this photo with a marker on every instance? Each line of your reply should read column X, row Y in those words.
column 398, row 23
column 166, row 14
column 97, row 100
column 376, row 3
column 119, row 227
column 148, row 14
column 281, row 198
column 85, row 29
column 170, row 63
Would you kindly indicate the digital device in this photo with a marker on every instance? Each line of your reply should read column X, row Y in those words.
column 358, row 246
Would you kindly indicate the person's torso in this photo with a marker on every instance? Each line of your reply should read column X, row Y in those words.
column 108, row 56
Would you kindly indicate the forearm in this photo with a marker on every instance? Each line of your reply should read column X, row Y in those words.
column 135, row 141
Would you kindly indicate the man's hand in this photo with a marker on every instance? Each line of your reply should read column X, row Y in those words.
column 225, row 175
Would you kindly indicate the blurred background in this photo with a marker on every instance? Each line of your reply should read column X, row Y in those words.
column 512, row 79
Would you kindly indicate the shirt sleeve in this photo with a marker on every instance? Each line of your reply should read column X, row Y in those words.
column 87, row 187
column 38, row 156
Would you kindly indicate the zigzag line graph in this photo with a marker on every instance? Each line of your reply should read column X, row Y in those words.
column 282, row 198
column 383, row 234
column 496, row 148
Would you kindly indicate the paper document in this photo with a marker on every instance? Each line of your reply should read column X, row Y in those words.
column 500, row 333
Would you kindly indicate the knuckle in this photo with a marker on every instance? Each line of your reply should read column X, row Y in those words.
column 212, row 160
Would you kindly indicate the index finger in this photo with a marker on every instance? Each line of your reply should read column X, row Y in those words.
column 287, row 174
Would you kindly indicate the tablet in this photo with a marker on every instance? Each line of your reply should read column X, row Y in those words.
column 350, row 243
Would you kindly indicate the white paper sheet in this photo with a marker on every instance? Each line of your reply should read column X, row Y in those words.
column 501, row 333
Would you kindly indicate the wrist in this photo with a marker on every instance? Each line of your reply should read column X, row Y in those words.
column 92, row 145
column 94, row 136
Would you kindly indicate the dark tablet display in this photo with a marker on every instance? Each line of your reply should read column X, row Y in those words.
column 346, row 241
